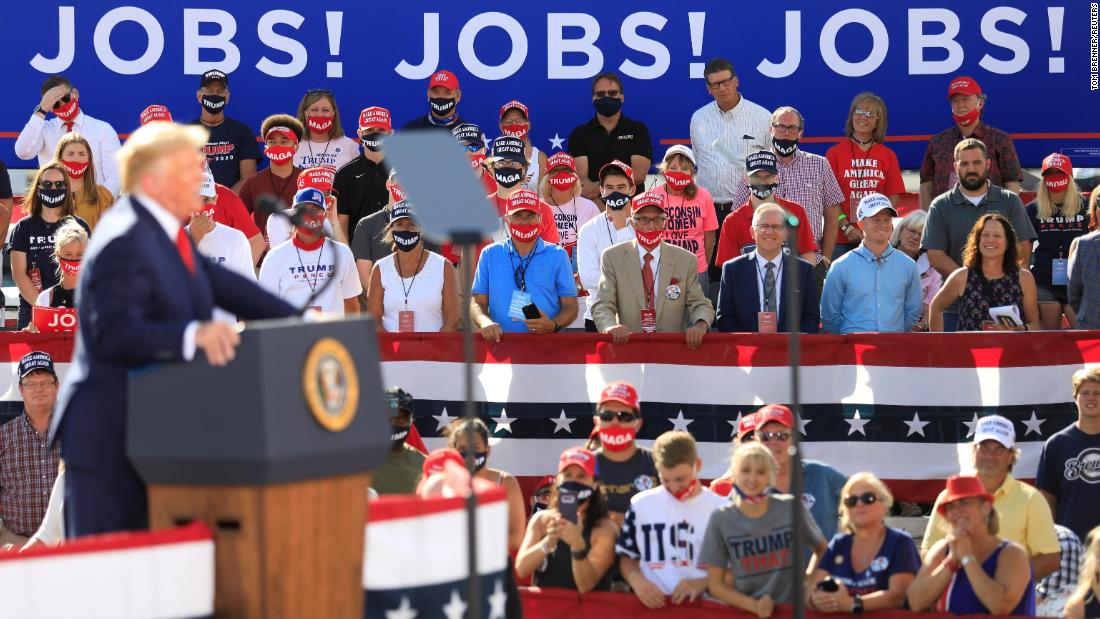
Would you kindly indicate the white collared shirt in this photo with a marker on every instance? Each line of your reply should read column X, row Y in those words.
column 593, row 238
column 653, row 266
column 761, row 272
column 39, row 138
column 722, row 140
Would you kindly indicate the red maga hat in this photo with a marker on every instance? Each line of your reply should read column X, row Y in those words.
column 579, row 456
column 619, row 391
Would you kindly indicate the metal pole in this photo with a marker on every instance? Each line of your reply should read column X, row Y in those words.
column 793, row 300
column 473, row 581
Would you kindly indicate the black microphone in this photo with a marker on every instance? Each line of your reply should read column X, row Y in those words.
column 273, row 206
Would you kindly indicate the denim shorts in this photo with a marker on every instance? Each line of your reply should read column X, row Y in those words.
column 1052, row 294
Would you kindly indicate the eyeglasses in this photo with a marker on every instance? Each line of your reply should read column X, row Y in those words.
column 622, row 416
column 600, row 94
column 645, row 221
column 786, row 128
column 542, row 495
column 769, row 227
column 319, row 91
column 767, row 437
column 868, row 498
column 865, row 113
column 63, row 100
column 52, row 184
column 720, row 83
column 39, row 385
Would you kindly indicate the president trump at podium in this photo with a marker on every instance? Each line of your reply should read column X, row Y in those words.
column 146, row 296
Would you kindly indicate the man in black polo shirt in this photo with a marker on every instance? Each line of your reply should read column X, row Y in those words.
column 231, row 150
column 609, row 136
column 443, row 97
column 360, row 184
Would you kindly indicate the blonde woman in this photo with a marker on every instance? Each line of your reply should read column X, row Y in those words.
column 870, row 563
column 1085, row 601
column 68, row 250
column 325, row 143
column 1059, row 216
column 906, row 238
column 90, row 198
column 560, row 187
column 756, row 520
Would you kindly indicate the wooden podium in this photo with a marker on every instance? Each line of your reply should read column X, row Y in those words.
column 272, row 453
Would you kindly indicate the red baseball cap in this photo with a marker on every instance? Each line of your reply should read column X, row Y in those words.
column 318, row 177
column 619, row 391
column 283, row 130
column 1058, row 161
column 561, row 158
column 647, row 199
column 963, row 487
column 774, row 412
column 547, row 480
column 579, row 456
column 514, row 105
column 523, row 200
column 154, row 113
column 375, row 117
column 626, row 169
column 437, row 460
column 746, row 425
column 963, row 85
column 443, row 78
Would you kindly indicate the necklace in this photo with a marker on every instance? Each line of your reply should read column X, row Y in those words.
column 316, row 269
column 862, row 142
column 309, row 145
column 416, row 271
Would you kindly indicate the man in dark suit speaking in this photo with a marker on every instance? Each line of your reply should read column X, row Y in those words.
column 751, row 295
column 145, row 296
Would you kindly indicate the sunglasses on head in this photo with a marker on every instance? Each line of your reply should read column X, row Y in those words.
column 319, row 91
column 63, row 100
column 52, row 184
column 622, row 416
column 868, row 498
column 473, row 148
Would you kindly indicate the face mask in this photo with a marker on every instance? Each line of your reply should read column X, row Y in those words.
column 516, row 131
column 76, row 169
column 508, row 177
column 650, row 239
column 480, row 459
column 751, row 499
column 785, row 147
column 372, row 142
column 320, row 124
column 968, row 118
column 68, row 111
column 762, row 190
column 686, row 492
column 617, row 438
column 476, row 161
column 608, row 106
column 562, row 181
column 70, row 267
column 52, row 198
column 215, row 104
column 583, row 492
column 279, row 154
column 677, row 180
column 442, row 106
column 1056, row 183
column 523, row 233
column 616, row 200
column 398, row 434
column 406, row 240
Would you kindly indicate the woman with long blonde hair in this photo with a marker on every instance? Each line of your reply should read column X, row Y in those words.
column 1085, row 600
column 1059, row 216
column 90, row 199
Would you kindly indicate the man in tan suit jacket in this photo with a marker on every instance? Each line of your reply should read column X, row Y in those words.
column 624, row 305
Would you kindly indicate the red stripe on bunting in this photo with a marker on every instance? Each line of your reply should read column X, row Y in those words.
column 920, row 350
column 13, row 345
column 398, row 506
column 195, row 532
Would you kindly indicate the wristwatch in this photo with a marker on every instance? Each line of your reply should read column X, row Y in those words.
column 857, row 605
column 38, row 110
column 579, row 555
column 557, row 327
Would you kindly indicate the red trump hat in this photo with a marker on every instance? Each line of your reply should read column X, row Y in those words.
column 154, row 113
column 318, row 177
column 963, row 85
column 375, row 117
column 523, row 200
column 774, row 412
column 580, row 457
column 619, row 391
column 443, row 78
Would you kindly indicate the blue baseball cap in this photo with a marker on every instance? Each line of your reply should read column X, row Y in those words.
column 310, row 195
column 36, row 360
column 401, row 210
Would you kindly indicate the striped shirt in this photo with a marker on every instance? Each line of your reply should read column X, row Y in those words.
column 721, row 141
column 28, row 466
column 808, row 180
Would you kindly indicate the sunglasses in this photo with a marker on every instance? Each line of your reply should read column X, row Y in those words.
column 767, row 437
column 52, row 184
column 622, row 416
column 600, row 94
column 868, row 498
column 319, row 91
column 63, row 100
column 473, row 148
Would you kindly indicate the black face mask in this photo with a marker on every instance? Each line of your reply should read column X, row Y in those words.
column 398, row 434
column 616, row 200
column 785, row 147
column 406, row 240
column 762, row 190
column 608, row 106
column 583, row 491
column 508, row 177
column 52, row 198
column 480, row 459
column 373, row 142
column 215, row 104
column 442, row 107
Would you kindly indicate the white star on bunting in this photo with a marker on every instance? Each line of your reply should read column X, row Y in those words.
column 1033, row 425
column 404, row 611
column 498, row 601
column 562, row 423
column 856, row 423
column 802, row 423
column 444, row 420
column 555, row 142
column 504, row 422
column 916, row 426
column 971, row 425
column 456, row 608
column 735, row 423
column 679, row 423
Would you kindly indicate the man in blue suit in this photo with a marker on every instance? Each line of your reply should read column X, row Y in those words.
column 751, row 293
column 145, row 296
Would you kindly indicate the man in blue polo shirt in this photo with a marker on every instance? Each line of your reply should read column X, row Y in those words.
column 521, row 272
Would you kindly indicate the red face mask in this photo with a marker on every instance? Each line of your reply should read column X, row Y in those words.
column 686, row 492
column 563, row 181
column 648, row 240
column 76, row 169
column 319, row 124
column 279, row 154
column 967, row 119
column 677, row 180
column 1056, row 182
column 476, row 161
column 515, row 130
column 68, row 111
column 523, row 233
column 311, row 227
column 617, row 438
column 70, row 267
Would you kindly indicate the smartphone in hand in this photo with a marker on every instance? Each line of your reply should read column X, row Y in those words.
column 531, row 312
column 567, row 504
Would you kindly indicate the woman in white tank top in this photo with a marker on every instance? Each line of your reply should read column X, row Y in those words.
column 412, row 289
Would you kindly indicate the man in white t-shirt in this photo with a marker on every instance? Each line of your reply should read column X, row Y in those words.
column 662, row 535
column 220, row 243
column 298, row 269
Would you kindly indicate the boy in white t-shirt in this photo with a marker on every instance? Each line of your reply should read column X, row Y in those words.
column 219, row 243
column 299, row 269
column 662, row 535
